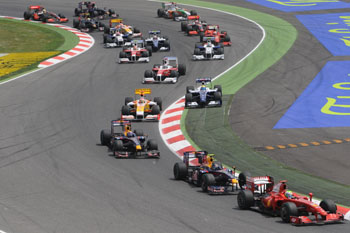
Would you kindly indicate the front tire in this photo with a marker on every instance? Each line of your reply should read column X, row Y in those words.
column 288, row 209
column 329, row 206
column 208, row 179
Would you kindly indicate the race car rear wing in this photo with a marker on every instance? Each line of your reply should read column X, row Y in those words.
column 193, row 17
column 143, row 91
column 154, row 32
column 120, row 122
column 203, row 80
column 206, row 38
column 118, row 20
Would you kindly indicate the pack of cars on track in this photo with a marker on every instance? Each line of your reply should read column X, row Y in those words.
column 197, row 167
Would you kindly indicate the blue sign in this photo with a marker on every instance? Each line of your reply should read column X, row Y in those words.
column 302, row 5
column 324, row 103
column 332, row 30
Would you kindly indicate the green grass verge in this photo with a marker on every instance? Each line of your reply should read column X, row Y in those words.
column 24, row 36
column 209, row 129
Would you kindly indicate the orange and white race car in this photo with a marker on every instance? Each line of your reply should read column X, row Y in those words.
column 141, row 109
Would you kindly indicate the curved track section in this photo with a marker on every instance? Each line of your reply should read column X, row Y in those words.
column 56, row 178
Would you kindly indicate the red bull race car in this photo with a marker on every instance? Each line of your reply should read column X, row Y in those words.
column 263, row 194
column 94, row 11
column 168, row 72
column 39, row 13
column 199, row 168
column 126, row 143
column 142, row 109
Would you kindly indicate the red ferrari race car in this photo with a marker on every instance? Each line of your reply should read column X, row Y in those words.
column 193, row 26
column 275, row 199
column 169, row 71
column 127, row 143
column 39, row 13
column 218, row 37
column 200, row 169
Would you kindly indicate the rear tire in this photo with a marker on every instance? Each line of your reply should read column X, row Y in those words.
column 26, row 15
column 149, row 49
column 128, row 100
column 288, row 209
column 183, row 26
column 245, row 199
column 182, row 69
column 180, row 171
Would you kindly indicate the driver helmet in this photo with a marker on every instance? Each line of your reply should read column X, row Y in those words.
column 44, row 10
column 289, row 194
column 165, row 62
column 134, row 46
column 155, row 37
column 216, row 166
column 209, row 42
column 142, row 99
column 203, row 88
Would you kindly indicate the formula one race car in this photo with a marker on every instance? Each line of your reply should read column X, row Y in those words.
column 157, row 42
column 114, row 38
column 275, row 199
column 135, row 52
column 86, row 24
column 208, row 51
column 203, row 96
column 39, row 13
column 172, row 11
column 125, row 143
column 90, row 7
column 193, row 26
column 199, row 168
column 218, row 37
column 129, row 32
column 169, row 71
column 142, row 109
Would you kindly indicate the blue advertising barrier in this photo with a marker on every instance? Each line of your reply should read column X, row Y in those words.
column 301, row 5
column 332, row 30
column 324, row 103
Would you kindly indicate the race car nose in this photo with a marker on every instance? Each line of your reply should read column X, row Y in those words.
column 138, row 147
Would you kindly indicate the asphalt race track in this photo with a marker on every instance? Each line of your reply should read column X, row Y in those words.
column 55, row 177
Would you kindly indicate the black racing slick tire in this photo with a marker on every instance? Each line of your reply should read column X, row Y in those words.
column 27, row 15
column 182, row 69
column 189, row 88
column 118, row 145
column 180, row 171
column 158, row 100
column 183, row 26
column 152, row 145
column 208, row 179
column 125, row 110
column 329, row 206
column 219, row 88
column 242, row 178
column 188, row 99
column 160, row 13
column 288, row 209
column 217, row 96
column 245, row 199
column 148, row 74
column 75, row 23
column 149, row 49
column 128, row 100
column 105, row 137
column 155, row 110
column 197, row 51
column 193, row 12
column 122, row 54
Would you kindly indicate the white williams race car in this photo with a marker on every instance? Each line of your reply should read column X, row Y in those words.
column 203, row 96
column 208, row 51
column 157, row 42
